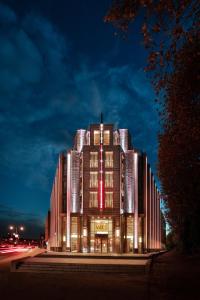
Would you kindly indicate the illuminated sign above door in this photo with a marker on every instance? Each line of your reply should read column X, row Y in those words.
column 101, row 226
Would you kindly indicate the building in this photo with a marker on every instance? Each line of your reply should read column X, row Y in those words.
column 104, row 197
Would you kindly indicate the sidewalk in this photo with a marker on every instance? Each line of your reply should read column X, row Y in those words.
column 175, row 276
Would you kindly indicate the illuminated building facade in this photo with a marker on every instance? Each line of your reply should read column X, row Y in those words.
column 104, row 197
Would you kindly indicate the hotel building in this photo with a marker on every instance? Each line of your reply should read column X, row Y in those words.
column 104, row 197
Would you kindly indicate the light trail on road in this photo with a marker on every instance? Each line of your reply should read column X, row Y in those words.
column 17, row 249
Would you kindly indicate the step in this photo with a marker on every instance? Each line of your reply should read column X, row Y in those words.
column 38, row 267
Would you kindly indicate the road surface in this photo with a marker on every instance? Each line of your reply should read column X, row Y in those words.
column 9, row 253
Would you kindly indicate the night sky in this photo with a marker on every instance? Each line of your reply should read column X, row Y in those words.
column 60, row 66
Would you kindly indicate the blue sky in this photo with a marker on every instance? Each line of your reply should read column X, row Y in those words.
column 60, row 66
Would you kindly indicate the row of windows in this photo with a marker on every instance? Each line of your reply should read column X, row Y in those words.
column 108, row 159
column 93, row 159
column 106, row 137
column 94, row 179
column 93, row 202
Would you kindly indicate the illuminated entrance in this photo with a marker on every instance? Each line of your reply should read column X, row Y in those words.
column 101, row 243
column 101, row 231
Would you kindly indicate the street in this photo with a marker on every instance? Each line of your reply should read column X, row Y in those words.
column 7, row 251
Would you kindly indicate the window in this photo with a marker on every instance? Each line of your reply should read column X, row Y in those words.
column 108, row 159
column 93, row 159
column 108, row 179
column 93, row 179
column 130, row 233
column 108, row 199
column 93, row 199
column 96, row 137
column 106, row 137
column 74, row 234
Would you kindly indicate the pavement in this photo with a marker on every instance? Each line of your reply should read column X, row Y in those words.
column 89, row 261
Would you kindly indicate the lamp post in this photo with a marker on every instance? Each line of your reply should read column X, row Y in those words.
column 15, row 229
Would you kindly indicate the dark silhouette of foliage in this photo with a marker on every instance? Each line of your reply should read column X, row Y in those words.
column 179, row 146
column 170, row 31
column 170, row 241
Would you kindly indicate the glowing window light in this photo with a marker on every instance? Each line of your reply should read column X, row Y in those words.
column 109, row 179
column 96, row 137
column 93, row 179
column 85, row 232
column 117, row 232
column 108, row 159
column 74, row 235
column 106, row 137
column 93, row 159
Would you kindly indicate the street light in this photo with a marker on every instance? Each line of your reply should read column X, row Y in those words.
column 16, row 229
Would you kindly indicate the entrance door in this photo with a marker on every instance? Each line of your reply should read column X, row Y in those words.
column 101, row 243
column 104, row 245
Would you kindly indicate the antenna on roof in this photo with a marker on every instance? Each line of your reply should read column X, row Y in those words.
column 101, row 118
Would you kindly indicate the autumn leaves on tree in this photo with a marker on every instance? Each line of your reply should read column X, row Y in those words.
column 170, row 31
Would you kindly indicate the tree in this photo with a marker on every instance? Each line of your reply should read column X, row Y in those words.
column 171, row 36
column 179, row 146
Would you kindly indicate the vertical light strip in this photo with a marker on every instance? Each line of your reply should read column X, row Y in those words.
column 124, row 139
column 129, row 185
column 155, row 196
column 120, row 186
column 160, row 232
column 81, row 137
column 157, row 220
column 68, row 198
column 60, row 198
column 81, row 210
column 150, row 211
column 155, row 231
column 136, row 200
column 75, row 181
column 56, row 207
column 158, row 225
column 59, row 202
column 146, row 211
column 155, row 214
column 153, row 211
column 101, row 204
column 152, row 220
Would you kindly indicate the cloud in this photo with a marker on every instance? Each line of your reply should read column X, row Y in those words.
column 33, row 86
column 47, row 92
column 7, row 15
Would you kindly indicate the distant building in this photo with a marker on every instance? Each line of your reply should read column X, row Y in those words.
column 104, row 197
